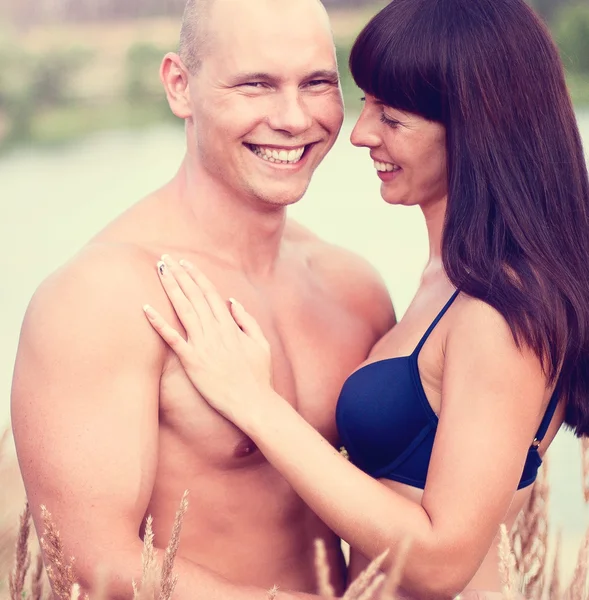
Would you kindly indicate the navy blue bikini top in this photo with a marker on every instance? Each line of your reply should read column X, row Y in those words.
column 387, row 425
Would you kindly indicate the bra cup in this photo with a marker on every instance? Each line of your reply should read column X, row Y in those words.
column 388, row 427
column 378, row 420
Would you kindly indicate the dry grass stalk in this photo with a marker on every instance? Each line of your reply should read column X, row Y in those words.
column 148, row 589
column 12, row 500
column 322, row 570
column 168, row 579
column 371, row 592
column 577, row 590
column 75, row 594
column 393, row 580
column 554, row 589
column 529, row 540
column 506, row 565
column 59, row 570
column 365, row 579
column 272, row 593
column 585, row 463
column 22, row 561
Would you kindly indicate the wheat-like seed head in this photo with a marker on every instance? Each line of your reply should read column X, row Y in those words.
column 577, row 590
column 393, row 580
column 506, row 565
column 148, row 589
column 59, row 570
column 16, row 579
column 365, row 579
column 554, row 589
column 372, row 591
column 322, row 570
column 168, row 579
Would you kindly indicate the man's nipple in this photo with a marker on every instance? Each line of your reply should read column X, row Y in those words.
column 245, row 448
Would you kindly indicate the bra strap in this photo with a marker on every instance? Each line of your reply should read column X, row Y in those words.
column 550, row 410
column 436, row 321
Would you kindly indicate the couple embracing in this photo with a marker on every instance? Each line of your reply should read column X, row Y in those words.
column 262, row 351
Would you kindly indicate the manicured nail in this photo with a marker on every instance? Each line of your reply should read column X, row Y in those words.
column 161, row 267
column 167, row 259
column 149, row 311
column 186, row 264
column 235, row 303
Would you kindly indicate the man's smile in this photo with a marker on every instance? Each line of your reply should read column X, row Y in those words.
column 278, row 155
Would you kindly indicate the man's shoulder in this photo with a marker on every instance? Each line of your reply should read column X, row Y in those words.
column 101, row 268
column 104, row 284
column 347, row 276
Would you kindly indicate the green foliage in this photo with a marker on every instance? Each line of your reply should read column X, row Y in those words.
column 350, row 90
column 578, row 84
column 571, row 32
column 142, row 68
column 53, row 75
column 30, row 84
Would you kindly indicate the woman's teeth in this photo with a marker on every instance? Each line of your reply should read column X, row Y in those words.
column 275, row 155
column 386, row 167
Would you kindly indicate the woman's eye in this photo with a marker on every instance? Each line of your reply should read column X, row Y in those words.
column 388, row 121
column 363, row 99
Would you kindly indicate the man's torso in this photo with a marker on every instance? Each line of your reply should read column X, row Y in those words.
column 245, row 522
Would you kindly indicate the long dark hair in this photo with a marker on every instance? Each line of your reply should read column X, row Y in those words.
column 516, row 233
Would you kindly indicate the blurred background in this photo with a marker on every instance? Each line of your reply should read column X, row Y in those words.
column 85, row 132
column 72, row 67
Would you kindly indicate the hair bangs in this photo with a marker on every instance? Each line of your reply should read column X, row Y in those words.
column 388, row 62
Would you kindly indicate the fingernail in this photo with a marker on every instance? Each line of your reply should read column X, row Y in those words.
column 235, row 303
column 149, row 311
column 167, row 259
column 186, row 264
column 161, row 267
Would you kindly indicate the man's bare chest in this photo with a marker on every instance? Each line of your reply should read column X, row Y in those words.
column 316, row 344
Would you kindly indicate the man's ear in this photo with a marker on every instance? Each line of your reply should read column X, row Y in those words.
column 174, row 77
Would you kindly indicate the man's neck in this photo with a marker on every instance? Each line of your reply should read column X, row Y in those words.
column 244, row 234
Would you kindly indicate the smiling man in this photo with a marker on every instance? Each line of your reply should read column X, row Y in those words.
column 108, row 428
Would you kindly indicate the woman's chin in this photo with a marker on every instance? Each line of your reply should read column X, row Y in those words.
column 392, row 199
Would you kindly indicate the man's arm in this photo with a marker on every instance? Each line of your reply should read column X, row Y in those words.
column 85, row 417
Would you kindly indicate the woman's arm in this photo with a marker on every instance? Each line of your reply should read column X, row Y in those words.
column 492, row 400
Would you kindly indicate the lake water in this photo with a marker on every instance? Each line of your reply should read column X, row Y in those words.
column 53, row 200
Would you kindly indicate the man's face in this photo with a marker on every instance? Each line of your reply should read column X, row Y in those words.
column 266, row 103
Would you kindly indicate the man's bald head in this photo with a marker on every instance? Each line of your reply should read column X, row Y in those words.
column 195, row 35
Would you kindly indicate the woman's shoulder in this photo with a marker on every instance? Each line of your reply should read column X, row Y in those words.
column 480, row 338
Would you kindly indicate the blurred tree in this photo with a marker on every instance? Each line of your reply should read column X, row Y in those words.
column 53, row 75
column 571, row 31
column 142, row 67
column 547, row 9
column 24, row 13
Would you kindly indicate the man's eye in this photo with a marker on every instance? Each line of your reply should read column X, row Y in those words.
column 254, row 84
column 317, row 82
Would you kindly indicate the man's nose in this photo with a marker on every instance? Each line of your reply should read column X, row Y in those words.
column 364, row 135
column 291, row 114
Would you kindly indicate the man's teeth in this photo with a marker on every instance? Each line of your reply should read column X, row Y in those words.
column 274, row 155
column 386, row 167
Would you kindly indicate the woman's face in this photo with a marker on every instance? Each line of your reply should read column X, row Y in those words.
column 409, row 153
